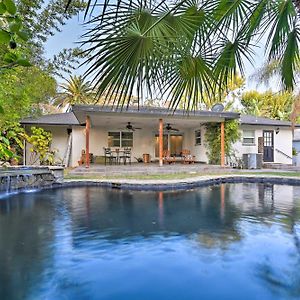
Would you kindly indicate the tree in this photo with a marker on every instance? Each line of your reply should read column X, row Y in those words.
column 186, row 47
column 23, row 90
column 26, row 92
column 74, row 91
column 11, row 30
column 275, row 106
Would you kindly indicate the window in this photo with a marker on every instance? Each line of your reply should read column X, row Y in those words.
column 249, row 137
column 126, row 139
column 120, row 139
column 198, row 137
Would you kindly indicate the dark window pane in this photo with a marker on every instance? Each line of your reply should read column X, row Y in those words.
column 127, row 135
column 113, row 139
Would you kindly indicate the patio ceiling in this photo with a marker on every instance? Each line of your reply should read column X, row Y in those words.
column 147, row 118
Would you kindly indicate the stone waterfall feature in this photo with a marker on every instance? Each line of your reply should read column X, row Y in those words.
column 17, row 178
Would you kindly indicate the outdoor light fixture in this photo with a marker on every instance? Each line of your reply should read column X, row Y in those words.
column 277, row 130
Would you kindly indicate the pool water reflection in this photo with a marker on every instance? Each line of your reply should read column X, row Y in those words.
column 234, row 241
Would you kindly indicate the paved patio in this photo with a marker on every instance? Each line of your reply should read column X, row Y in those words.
column 147, row 169
column 155, row 169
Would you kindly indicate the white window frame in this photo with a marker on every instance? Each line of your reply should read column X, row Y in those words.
column 197, row 143
column 248, row 136
column 120, row 138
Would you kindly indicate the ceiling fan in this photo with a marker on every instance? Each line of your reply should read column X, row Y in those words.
column 129, row 126
column 170, row 128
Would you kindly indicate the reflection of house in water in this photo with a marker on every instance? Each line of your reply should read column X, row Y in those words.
column 121, row 213
column 261, row 198
column 266, row 196
column 210, row 211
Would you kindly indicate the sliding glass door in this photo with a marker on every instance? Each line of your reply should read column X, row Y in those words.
column 172, row 142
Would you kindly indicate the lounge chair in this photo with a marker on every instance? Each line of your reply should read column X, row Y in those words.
column 167, row 158
column 187, row 157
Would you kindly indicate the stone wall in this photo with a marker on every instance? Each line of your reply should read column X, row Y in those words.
column 29, row 177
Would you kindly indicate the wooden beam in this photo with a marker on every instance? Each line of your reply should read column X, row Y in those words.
column 87, row 141
column 222, row 144
column 160, row 141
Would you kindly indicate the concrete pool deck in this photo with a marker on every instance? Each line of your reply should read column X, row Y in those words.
column 183, row 183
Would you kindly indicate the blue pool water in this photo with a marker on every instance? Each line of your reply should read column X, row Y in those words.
column 234, row 241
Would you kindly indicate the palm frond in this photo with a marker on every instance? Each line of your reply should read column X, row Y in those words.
column 184, row 47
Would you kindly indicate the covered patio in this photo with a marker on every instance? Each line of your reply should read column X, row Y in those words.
column 146, row 131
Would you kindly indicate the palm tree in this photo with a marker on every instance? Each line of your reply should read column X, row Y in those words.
column 74, row 91
column 188, row 47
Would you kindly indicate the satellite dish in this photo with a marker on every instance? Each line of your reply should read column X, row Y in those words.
column 218, row 107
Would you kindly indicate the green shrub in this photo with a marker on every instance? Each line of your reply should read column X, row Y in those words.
column 40, row 141
column 213, row 139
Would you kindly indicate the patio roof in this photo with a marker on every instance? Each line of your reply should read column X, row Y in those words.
column 77, row 116
column 151, row 112
column 53, row 119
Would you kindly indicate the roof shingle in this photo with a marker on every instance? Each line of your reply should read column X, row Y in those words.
column 53, row 119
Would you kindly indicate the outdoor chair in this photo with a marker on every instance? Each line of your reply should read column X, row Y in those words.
column 126, row 156
column 167, row 158
column 108, row 156
column 187, row 157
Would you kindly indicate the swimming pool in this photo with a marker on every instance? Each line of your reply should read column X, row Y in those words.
column 231, row 241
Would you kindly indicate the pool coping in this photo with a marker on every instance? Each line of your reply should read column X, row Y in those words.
column 162, row 185
column 179, row 184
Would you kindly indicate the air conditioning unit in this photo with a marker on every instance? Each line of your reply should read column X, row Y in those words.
column 252, row 161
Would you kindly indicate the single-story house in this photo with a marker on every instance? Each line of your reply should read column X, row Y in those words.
column 151, row 130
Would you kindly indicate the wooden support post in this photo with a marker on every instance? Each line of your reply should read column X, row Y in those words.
column 87, row 141
column 222, row 145
column 160, row 142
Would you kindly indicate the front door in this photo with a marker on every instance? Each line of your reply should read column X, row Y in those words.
column 268, row 136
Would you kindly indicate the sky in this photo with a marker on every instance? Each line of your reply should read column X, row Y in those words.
column 69, row 37
column 72, row 31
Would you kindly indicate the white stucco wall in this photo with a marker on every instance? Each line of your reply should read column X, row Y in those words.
column 282, row 141
column 198, row 150
column 144, row 142
column 78, row 144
